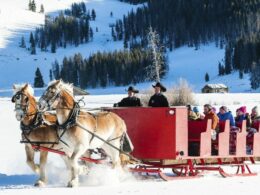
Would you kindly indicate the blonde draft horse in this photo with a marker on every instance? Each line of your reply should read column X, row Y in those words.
column 107, row 125
column 26, row 112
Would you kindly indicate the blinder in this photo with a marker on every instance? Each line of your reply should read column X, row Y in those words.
column 18, row 96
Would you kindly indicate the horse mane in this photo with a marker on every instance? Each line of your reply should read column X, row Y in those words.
column 68, row 87
column 19, row 87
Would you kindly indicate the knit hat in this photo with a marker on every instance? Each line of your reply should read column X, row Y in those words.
column 242, row 109
column 196, row 109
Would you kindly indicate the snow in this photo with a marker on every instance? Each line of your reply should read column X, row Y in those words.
column 217, row 86
column 18, row 66
column 16, row 177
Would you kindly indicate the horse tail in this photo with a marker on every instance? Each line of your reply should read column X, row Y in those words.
column 126, row 146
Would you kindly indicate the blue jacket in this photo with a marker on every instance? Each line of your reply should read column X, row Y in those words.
column 227, row 116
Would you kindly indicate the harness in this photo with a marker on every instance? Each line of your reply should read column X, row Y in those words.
column 27, row 129
column 37, row 122
column 70, row 122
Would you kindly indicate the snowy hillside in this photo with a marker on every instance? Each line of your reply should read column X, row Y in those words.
column 17, row 65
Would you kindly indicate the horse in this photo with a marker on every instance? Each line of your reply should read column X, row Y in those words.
column 34, row 129
column 82, row 130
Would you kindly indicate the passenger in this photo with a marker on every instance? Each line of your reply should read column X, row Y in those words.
column 197, row 112
column 131, row 100
column 224, row 114
column 158, row 99
column 242, row 115
column 191, row 115
column 209, row 114
column 255, row 115
column 255, row 121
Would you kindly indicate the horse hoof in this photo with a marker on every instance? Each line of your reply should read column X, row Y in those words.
column 39, row 184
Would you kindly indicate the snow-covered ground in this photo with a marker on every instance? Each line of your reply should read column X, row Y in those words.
column 16, row 177
column 17, row 65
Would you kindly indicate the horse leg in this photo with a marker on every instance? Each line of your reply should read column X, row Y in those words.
column 80, row 150
column 30, row 159
column 113, row 153
column 43, row 160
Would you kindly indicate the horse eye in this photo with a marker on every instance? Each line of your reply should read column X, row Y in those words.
column 26, row 99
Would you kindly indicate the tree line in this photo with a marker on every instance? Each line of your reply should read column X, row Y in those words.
column 134, row 1
column 32, row 6
column 70, row 27
column 106, row 68
column 233, row 25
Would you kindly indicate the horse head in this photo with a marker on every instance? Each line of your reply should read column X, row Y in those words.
column 51, row 96
column 25, row 103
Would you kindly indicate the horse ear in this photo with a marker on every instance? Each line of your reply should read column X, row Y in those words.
column 26, row 86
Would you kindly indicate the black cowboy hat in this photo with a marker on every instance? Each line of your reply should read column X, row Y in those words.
column 131, row 88
column 158, row 84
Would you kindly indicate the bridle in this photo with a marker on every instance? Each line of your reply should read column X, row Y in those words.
column 21, row 106
column 49, row 101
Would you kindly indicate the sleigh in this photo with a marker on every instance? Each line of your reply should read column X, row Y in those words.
column 164, row 139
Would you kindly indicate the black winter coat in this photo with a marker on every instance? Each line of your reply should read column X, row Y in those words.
column 158, row 100
column 129, row 102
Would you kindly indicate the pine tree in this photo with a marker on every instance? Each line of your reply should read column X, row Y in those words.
column 33, row 49
column 42, row 9
column 93, row 14
column 22, row 44
column 113, row 34
column 30, row 5
column 125, row 44
column 56, row 70
column 91, row 34
column 219, row 69
column 53, row 47
column 50, row 75
column 33, row 6
column 241, row 74
column 206, row 77
column 228, row 61
column 38, row 80
column 255, row 78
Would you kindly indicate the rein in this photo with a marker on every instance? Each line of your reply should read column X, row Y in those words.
column 27, row 129
column 72, row 121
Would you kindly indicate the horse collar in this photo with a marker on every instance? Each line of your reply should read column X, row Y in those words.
column 72, row 119
column 37, row 121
